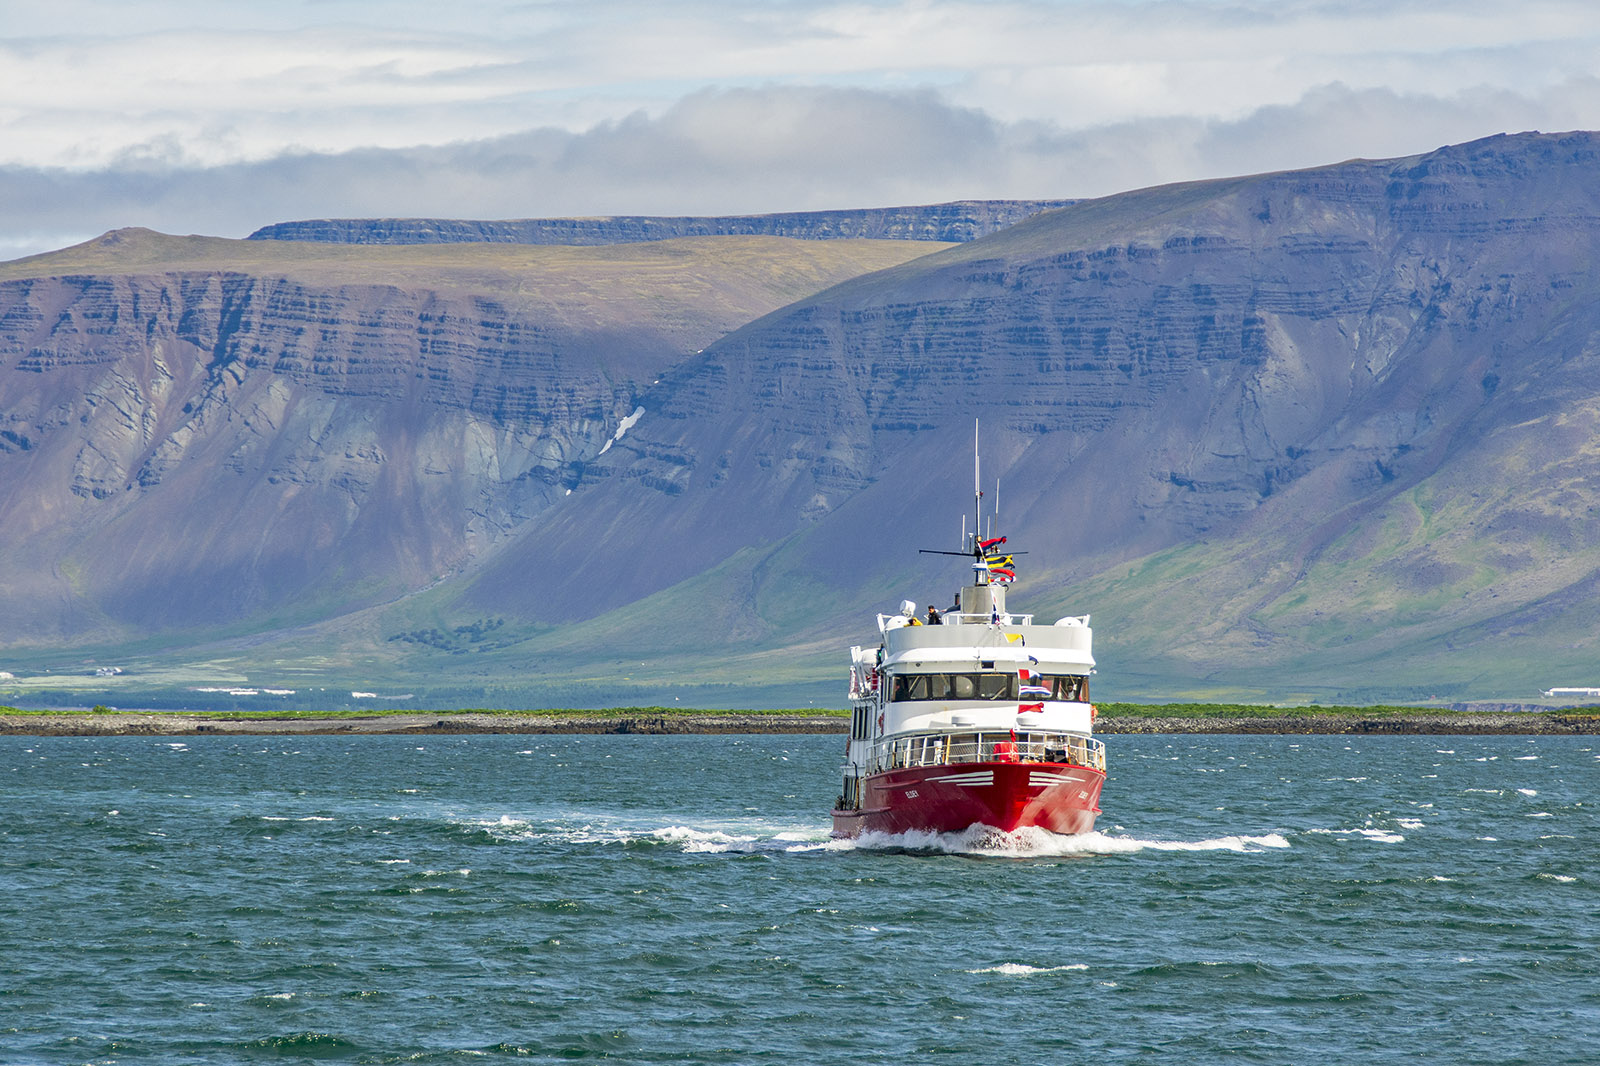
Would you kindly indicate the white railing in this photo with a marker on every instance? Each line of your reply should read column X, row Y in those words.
column 940, row 749
column 887, row 622
column 957, row 618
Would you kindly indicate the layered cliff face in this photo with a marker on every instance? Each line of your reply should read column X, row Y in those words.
column 1291, row 425
column 963, row 220
column 202, row 433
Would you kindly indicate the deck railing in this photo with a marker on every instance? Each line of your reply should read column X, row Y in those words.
column 938, row 749
column 956, row 618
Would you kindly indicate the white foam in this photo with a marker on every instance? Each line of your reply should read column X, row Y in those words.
column 1021, row 969
column 740, row 836
column 1032, row 842
column 1527, row 792
column 1379, row 836
column 585, row 828
column 1563, row 878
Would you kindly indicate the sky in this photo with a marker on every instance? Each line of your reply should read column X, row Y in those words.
column 221, row 116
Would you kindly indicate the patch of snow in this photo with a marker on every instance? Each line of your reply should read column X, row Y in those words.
column 626, row 424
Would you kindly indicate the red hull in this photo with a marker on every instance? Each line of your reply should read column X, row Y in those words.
column 1060, row 797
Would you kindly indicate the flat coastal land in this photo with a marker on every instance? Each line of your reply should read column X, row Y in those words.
column 1121, row 718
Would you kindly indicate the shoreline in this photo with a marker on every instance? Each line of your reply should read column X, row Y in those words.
column 181, row 723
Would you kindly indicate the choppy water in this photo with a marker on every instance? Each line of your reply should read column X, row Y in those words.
column 677, row 899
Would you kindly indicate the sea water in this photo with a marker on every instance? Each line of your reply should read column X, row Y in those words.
column 678, row 900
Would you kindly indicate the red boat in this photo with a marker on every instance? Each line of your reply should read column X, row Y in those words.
column 973, row 716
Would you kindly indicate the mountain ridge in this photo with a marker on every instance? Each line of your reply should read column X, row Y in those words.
column 1326, row 433
column 960, row 220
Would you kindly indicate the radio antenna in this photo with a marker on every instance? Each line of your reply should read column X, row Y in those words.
column 977, row 548
column 977, row 489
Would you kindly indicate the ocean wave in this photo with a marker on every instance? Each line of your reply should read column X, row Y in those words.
column 1022, row 969
column 1377, row 836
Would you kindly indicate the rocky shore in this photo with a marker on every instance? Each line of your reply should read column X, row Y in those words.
column 177, row 723
column 172, row 723
column 1421, row 723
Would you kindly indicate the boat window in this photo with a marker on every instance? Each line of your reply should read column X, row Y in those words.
column 1070, row 687
column 997, row 686
column 858, row 723
column 984, row 686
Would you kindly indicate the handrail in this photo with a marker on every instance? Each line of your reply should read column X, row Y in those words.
column 887, row 622
column 940, row 749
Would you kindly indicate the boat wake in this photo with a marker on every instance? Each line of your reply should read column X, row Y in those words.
column 739, row 837
column 751, row 837
column 1030, row 842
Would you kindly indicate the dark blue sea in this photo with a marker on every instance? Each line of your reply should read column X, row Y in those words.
column 677, row 900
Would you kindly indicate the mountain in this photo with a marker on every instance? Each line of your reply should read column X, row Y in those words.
column 200, row 436
column 1318, row 434
column 962, row 220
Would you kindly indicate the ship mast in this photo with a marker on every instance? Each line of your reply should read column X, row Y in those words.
column 974, row 548
column 980, row 568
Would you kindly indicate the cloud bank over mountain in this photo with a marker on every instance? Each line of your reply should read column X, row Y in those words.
column 219, row 119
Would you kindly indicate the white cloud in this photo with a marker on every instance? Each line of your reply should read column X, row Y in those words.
column 212, row 117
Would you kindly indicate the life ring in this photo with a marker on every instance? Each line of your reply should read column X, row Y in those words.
column 1005, row 751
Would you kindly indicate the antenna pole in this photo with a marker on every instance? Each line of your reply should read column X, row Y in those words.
column 977, row 492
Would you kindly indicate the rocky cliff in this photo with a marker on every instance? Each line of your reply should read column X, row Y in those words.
column 1307, row 429
column 197, row 433
column 963, row 220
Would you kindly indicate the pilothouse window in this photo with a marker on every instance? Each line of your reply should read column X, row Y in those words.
column 985, row 686
column 997, row 686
